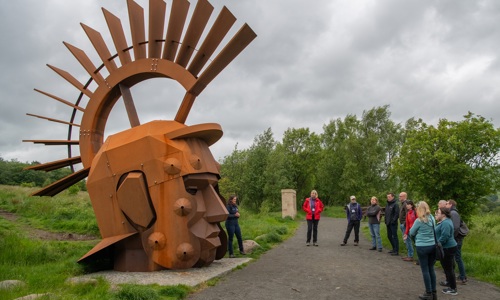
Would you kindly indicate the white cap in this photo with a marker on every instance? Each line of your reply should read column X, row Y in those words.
column 353, row 197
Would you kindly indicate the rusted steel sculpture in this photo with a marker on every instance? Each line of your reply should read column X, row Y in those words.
column 153, row 187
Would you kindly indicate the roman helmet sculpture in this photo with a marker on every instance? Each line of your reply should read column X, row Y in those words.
column 153, row 187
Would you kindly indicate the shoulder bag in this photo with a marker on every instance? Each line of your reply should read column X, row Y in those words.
column 439, row 247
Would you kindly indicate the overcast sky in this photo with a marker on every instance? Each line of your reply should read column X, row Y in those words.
column 312, row 61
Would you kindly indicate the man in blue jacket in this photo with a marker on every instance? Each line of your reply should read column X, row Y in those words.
column 354, row 214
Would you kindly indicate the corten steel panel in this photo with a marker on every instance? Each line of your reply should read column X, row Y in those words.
column 99, row 106
column 53, row 142
column 201, row 15
column 133, row 199
column 178, row 15
column 69, row 78
column 239, row 42
column 62, row 184
column 154, row 187
column 221, row 26
column 129, row 105
column 53, row 120
column 116, row 30
column 156, row 23
column 192, row 237
column 86, row 63
column 54, row 165
column 136, row 18
column 60, row 100
column 100, row 46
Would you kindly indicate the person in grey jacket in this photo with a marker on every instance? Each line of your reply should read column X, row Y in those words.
column 455, row 218
column 373, row 213
column 444, row 235
column 391, row 221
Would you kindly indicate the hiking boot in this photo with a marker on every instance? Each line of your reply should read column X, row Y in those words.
column 463, row 281
column 434, row 295
column 372, row 248
column 450, row 291
column 355, row 243
column 343, row 244
column 308, row 244
column 417, row 263
column 390, row 251
column 243, row 253
column 231, row 256
column 444, row 283
column 380, row 250
column 425, row 296
column 315, row 244
column 394, row 254
column 408, row 259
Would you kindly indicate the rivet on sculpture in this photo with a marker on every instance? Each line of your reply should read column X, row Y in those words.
column 153, row 187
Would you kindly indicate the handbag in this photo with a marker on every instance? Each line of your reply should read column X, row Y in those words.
column 463, row 230
column 439, row 247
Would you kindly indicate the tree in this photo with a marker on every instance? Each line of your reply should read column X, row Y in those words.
column 253, row 180
column 231, row 171
column 455, row 160
column 301, row 149
column 357, row 155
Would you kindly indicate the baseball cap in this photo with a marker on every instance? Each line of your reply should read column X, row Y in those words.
column 353, row 197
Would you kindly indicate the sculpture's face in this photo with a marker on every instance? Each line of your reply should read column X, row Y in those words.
column 159, row 181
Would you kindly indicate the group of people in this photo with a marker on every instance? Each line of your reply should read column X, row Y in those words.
column 418, row 227
column 444, row 227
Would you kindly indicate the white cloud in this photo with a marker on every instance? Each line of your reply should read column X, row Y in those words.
column 311, row 62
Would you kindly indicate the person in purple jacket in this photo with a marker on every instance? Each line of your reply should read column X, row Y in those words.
column 354, row 214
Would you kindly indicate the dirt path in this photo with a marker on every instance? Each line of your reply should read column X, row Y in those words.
column 294, row 271
column 45, row 235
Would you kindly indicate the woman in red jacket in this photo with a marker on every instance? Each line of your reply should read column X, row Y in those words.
column 411, row 216
column 313, row 208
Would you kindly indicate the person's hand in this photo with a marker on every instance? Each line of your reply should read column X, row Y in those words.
column 405, row 236
column 237, row 214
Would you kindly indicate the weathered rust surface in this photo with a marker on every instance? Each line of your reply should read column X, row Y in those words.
column 153, row 187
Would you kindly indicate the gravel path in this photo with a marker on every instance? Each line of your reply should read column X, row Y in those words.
column 294, row 271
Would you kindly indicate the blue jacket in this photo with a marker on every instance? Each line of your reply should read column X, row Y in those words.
column 354, row 206
column 444, row 233
column 232, row 210
column 423, row 233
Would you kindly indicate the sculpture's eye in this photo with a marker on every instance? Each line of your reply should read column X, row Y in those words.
column 191, row 190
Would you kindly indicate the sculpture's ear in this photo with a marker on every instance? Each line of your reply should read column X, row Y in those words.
column 209, row 132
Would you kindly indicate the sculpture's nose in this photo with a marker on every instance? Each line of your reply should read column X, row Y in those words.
column 215, row 210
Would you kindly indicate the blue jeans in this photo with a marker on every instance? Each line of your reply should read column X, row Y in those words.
column 375, row 233
column 233, row 228
column 408, row 244
column 460, row 262
column 392, row 235
column 427, row 259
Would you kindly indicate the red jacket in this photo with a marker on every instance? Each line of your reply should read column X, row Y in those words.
column 318, row 208
column 411, row 216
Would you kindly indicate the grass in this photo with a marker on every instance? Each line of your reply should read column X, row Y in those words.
column 46, row 265
column 480, row 250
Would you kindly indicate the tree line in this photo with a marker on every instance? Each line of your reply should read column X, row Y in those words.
column 12, row 172
column 369, row 156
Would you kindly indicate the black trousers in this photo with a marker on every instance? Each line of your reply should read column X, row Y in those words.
column 312, row 226
column 352, row 224
column 448, row 264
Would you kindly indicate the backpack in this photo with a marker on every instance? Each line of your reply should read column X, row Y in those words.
column 463, row 230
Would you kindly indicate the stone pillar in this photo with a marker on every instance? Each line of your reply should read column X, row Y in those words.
column 288, row 203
